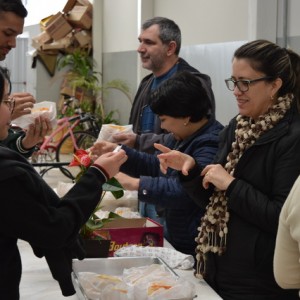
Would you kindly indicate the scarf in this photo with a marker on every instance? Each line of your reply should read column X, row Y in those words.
column 213, row 228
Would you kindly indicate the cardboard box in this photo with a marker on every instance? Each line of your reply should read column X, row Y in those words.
column 71, row 3
column 63, row 43
column 40, row 39
column 83, row 37
column 80, row 16
column 58, row 27
column 140, row 231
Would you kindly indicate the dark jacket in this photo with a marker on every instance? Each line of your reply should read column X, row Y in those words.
column 31, row 211
column 182, row 214
column 13, row 141
column 264, row 176
column 144, row 142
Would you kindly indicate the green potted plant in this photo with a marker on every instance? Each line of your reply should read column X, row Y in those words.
column 80, row 79
column 83, row 82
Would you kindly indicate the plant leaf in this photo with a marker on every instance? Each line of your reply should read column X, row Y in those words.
column 114, row 186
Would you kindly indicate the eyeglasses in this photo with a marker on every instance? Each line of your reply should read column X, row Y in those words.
column 243, row 84
column 10, row 104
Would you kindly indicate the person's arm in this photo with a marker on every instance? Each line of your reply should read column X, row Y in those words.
column 24, row 141
column 38, row 215
column 14, row 142
column 287, row 249
column 145, row 141
column 261, row 203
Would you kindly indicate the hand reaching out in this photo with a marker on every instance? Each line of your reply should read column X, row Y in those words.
column 127, row 139
column 111, row 162
column 102, row 147
column 129, row 183
column 174, row 159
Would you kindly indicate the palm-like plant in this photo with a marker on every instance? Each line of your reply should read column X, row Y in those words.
column 81, row 72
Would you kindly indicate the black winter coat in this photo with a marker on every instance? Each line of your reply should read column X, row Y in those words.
column 31, row 211
column 264, row 176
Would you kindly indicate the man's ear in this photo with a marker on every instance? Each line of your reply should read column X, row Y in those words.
column 171, row 48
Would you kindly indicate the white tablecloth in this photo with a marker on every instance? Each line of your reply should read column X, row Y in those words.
column 37, row 282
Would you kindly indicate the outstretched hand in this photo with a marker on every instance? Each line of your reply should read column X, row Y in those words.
column 127, row 139
column 111, row 162
column 102, row 147
column 174, row 159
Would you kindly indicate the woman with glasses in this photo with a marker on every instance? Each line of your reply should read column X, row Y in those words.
column 19, row 140
column 31, row 211
column 256, row 165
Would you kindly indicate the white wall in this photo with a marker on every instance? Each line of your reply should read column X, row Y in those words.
column 116, row 25
column 39, row 9
column 201, row 21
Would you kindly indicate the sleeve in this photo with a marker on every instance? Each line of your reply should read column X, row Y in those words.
column 14, row 142
column 140, row 163
column 287, row 249
column 40, row 216
column 163, row 191
column 260, row 202
column 145, row 141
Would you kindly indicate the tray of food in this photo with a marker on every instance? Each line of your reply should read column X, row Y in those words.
column 126, row 278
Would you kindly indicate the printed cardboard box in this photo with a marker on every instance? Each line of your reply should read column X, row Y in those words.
column 140, row 231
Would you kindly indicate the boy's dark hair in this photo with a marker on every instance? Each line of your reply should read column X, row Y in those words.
column 181, row 96
column 15, row 6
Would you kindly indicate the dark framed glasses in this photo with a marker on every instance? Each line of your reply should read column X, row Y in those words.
column 243, row 84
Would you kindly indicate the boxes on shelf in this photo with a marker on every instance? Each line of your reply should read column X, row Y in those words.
column 139, row 231
column 62, row 43
column 41, row 39
column 58, row 27
column 83, row 37
column 80, row 16
column 71, row 3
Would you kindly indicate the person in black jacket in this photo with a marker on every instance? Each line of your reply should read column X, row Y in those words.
column 252, row 174
column 160, row 43
column 31, row 210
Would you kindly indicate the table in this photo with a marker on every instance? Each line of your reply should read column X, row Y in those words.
column 37, row 282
